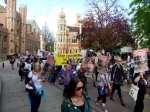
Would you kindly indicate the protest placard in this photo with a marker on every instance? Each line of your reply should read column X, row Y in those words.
column 61, row 59
column 102, row 62
column 140, row 60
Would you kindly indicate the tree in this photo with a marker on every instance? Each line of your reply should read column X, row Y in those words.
column 141, row 21
column 105, row 29
column 48, row 38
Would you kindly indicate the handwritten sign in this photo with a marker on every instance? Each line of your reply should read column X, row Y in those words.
column 61, row 59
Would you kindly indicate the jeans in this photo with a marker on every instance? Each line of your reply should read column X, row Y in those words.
column 35, row 102
column 12, row 66
column 103, row 97
column 52, row 76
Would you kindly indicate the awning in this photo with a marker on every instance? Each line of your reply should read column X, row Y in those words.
column 116, row 50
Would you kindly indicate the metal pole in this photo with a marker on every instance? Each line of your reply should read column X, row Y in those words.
column 80, row 33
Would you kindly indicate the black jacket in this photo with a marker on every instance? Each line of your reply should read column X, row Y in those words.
column 142, row 86
column 117, row 74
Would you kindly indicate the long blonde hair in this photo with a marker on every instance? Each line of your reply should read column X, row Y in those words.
column 37, row 64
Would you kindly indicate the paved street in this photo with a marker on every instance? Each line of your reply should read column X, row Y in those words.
column 13, row 96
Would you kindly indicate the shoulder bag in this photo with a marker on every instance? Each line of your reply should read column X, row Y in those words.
column 134, row 91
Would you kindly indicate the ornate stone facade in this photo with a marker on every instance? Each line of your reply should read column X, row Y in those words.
column 21, row 34
column 67, row 41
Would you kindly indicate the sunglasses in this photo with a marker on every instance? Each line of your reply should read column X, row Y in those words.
column 79, row 88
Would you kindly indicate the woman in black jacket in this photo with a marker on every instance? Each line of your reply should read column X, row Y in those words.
column 139, row 79
column 21, row 70
column 117, row 77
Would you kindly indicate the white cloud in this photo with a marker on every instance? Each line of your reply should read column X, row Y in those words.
column 2, row 3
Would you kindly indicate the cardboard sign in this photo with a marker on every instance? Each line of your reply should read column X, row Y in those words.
column 61, row 59
column 103, row 61
column 140, row 60
column 40, row 53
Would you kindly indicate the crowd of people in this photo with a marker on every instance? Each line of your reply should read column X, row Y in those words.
column 107, row 78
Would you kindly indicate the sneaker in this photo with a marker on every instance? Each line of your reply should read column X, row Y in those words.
column 104, row 108
column 96, row 101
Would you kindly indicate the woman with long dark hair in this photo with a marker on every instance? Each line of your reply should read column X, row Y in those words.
column 76, row 100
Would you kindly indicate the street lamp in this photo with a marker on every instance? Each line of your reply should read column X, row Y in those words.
column 80, row 31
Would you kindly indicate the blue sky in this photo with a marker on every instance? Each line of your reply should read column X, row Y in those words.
column 47, row 10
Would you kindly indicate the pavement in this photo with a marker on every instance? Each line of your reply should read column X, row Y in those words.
column 13, row 98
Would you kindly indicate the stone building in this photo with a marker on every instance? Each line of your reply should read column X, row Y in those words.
column 3, row 35
column 67, row 41
column 19, row 34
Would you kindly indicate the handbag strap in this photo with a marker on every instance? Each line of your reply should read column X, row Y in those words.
column 114, row 71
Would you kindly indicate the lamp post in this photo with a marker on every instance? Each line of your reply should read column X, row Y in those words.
column 80, row 32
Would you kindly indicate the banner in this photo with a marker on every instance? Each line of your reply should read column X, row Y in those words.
column 140, row 60
column 102, row 62
column 83, row 53
column 40, row 53
column 61, row 59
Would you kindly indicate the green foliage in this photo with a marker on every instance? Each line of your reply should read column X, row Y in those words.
column 107, row 30
column 49, row 46
column 141, row 21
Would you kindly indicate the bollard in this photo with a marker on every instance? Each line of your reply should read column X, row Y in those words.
column 3, row 65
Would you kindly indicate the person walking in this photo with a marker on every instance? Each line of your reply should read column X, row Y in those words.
column 140, row 81
column 82, row 75
column 90, row 71
column 67, row 75
column 117, row 77
column 34, row 87
column 12, row 61
column 103, row 88
column 27, row 68
column 21, row 70
column 76, row 100
column 49, row 68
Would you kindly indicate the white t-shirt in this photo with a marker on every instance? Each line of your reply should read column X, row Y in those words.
column 27, row 66
column 36, row 80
